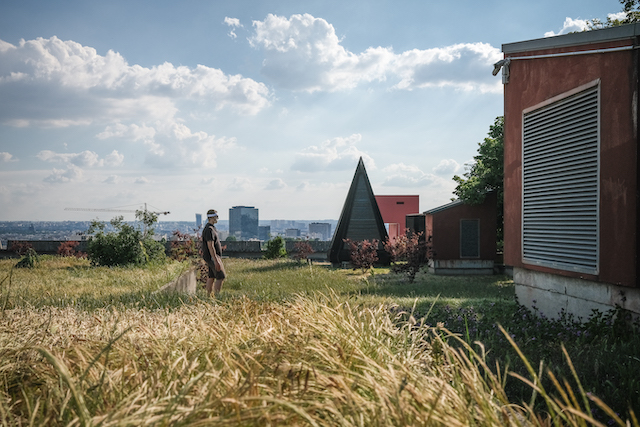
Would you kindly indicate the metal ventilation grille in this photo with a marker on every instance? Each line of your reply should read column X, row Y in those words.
column 560, row 184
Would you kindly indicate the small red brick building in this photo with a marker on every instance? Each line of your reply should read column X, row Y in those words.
column 571, row 171
column 394, row 210
column 463, row 237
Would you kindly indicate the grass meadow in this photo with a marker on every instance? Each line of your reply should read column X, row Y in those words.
column 289, row 343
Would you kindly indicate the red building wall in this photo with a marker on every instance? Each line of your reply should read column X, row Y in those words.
column 534, row 81
column 444, row 227
column 394, row 209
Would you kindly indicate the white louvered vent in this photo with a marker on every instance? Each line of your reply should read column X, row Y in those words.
column 560, row 183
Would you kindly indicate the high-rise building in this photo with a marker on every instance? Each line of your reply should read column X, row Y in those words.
column 243, row 222
column 320, row 230
column 264, row 233
column 198, row 220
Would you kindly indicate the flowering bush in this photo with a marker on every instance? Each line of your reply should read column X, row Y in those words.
column 20, row 248
column 302, row 250
column 409, row 253
column 185, row 246
column 364, row 254
column 69, row 249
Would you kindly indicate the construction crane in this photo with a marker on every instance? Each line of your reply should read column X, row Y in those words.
column 116, row 210
column 120, row 211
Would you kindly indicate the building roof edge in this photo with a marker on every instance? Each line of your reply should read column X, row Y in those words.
column 621, row 32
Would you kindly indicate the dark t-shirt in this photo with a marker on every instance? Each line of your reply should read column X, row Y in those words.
column 210, row 234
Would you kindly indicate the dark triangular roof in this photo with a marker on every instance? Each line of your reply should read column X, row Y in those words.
column 360, row 219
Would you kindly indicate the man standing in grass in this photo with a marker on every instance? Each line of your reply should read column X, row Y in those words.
column 212, row 254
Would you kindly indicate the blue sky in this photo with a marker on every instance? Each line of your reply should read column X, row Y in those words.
column 198, row 104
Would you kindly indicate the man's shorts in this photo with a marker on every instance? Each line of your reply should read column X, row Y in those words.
column 213, row 273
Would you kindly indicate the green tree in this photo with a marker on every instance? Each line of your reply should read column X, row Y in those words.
column 126, row 245
column 275, row 248
column 630, row 7
column 486, row 173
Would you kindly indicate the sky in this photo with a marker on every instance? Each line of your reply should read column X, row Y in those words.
column 207, row 104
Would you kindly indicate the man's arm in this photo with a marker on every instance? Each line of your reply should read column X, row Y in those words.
column 214, row 256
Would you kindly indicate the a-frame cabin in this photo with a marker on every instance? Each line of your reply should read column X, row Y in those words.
column 360, row 220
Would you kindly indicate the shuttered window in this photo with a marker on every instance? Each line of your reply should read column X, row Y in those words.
column 560, row 183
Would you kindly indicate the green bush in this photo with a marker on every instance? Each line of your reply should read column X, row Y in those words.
column 29, row 260
column 275, row 248
column 126, row 246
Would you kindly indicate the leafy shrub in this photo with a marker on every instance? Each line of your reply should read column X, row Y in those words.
column 302, row 250
column 69, row 249
column 28, row 260
column 20, row 248
column 275, row 248
column 185, row 246
column 409, row 253
column 126, row 246
column 364, row 254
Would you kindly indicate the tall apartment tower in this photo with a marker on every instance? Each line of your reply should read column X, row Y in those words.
column 198, row 221
column 243, row 222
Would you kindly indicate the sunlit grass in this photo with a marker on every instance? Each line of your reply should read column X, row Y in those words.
column 285, row 344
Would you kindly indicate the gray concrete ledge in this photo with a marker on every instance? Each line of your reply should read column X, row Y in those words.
column 551, row 294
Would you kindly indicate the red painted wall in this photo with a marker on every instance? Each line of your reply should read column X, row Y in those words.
column 537, row 80
column 394, row 209
column 444, row 227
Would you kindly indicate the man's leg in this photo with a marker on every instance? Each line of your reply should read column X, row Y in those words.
column 209, row 285
column 217, row 286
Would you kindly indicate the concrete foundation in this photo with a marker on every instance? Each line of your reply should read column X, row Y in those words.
column 551, row 294
column 461, row 267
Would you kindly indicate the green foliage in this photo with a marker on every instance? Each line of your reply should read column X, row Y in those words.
column 28, row 260
column 126, row 246
column 486, row 173
column 231, row 239
column 275, row 248
column 629, row 7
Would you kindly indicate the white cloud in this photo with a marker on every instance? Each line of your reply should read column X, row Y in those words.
column 233, row 23
column 142, row 180
column 170, row 142
column 401, row 175
column 304, row 53
column 570, row 25
column 240, row 184
column 7, row 157
column 71, row 174
column 62, row 83
column 112, row 179
column 83, row 159
column 446, row 167
column 332, row 155
column 276, row 184
column 114, row 159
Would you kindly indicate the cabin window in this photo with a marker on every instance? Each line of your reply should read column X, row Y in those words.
column 560, row 177
column 469, row 238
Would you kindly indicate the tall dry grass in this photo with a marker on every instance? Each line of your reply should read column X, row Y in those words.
column 319, row 360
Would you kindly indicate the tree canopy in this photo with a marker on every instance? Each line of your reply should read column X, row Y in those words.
column 630, row 7
column 486, row 173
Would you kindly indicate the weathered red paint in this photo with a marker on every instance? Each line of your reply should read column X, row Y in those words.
column 444, row 228
column 394, row 210
column 533, row 81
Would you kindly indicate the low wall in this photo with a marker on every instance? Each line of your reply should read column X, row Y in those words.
column 232, row 249
column 320, row 248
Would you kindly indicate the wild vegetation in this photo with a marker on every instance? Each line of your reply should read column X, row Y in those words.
column 292, row 343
